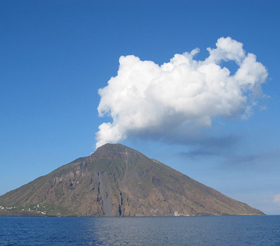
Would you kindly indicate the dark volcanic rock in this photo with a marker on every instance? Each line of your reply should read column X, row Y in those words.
column 118, row 181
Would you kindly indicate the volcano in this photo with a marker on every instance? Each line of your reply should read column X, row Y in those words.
column 118, row 181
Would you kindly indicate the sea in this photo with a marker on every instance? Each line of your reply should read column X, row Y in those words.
column 205, row 230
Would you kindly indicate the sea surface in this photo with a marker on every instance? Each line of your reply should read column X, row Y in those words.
column 212, row 230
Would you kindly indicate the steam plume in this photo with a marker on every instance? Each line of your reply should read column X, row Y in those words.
column 171, row 98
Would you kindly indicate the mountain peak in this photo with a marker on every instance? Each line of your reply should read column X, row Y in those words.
column 112, row 147
column 114, row 151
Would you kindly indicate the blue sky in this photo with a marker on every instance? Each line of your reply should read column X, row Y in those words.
column 55, row 55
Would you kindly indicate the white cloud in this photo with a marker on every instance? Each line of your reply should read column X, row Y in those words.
column 146, row 98
column 277, row 199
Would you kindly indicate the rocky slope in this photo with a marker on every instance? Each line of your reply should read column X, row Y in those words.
column 118, row 181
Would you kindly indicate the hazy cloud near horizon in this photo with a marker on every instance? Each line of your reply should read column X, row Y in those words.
column 180, row 96
column 277, row 199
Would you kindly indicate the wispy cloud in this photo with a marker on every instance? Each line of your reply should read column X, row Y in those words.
column 173, row 101
column 265, row 161
column 212, row 146
column 226, row 152
column 277, row 199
